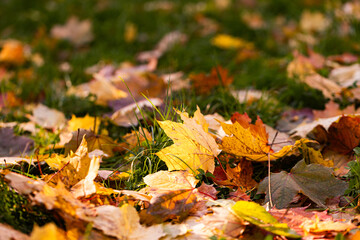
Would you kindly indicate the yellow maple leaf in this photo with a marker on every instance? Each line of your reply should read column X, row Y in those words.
column 250, row 142
column 86, row 122
column 78, row 170
column 193, row 147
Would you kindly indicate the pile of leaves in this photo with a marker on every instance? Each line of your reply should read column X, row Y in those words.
column 219, row 131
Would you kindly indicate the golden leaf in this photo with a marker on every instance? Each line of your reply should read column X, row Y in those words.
column 250, row 142
column 87, row 122
column 193, row 148
column 225, row 41
column 48, row 231
column 77, row 171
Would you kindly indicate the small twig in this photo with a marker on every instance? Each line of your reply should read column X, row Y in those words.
column 38, row 162
column 269, row 172
column 269, row 182
column 58, row 171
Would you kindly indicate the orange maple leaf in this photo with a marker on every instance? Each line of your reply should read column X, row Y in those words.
column 203, row 84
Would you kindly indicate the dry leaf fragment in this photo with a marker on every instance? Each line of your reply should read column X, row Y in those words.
column 344, row 58
column 332, row 109
column 77, row 32
column 130, row 32
column 318, row 226
column 102, row 89
column 129, row 115
column 47, row 117
column 167, row 181
column 313, row 22
column 8, row 233
column 167, row 42
column 346, row 76
column 193, row 148
column 12, row 145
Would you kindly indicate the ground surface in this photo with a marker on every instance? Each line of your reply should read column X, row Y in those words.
column 163, row 119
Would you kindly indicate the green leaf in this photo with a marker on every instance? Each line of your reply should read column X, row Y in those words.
column 257, row 215
column 314, row 181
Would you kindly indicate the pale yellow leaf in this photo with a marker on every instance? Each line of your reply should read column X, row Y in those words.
column 193, row 148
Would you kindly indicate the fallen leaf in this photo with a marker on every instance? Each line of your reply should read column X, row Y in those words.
column 203, row 84
column 174, row 204
column 193, row 148
column 332, row 109
column 77, row 32
column 208, row 25
column 292, row 118
column 253, row 20
column 167, row 42
column 344, row 58
column 48, row 231
column 222, row 222
column 344, row 134
column 294, row 217
column 12, row 145
column 249, row 140
column 313, row 22
column 86, row 122
column 102, row 89
column 130, row 32
column 249, row 96
column 4, row 161
column 8, row 233
column 304, row 129
column 314, row 181
column 311, row 152
column 318, row 226
column 346, row 76
column 78, row 170
column 12, row 52
column 124, row 223
column 9, row 99
column 239, row 176
column 134, row 139
column 300, row 67
column 94, row 142
column 278, row 139
column 48, row 117
column 131, row 114
column 326, row 86
column 167, row 181
column 256, row 214
column 225, row 41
